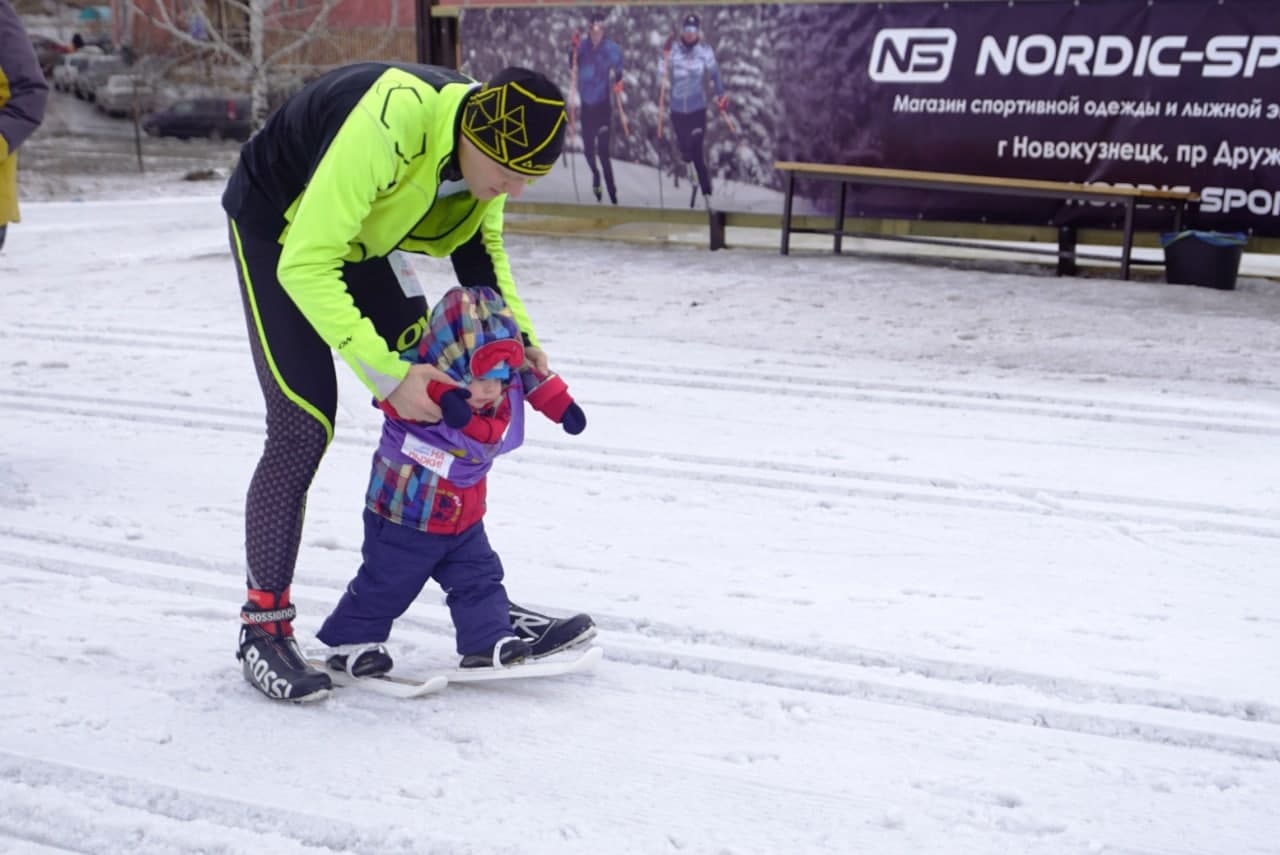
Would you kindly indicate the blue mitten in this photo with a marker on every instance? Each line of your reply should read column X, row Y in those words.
column 453, row 403
column 574, row 420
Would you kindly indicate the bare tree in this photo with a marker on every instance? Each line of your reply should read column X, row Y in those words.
column 257, row 37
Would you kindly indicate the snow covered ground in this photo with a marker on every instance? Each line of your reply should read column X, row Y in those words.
column 887, row 558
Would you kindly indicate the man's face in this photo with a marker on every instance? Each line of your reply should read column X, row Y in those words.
column 596, row 32
column 487, row 179
column 689, row 35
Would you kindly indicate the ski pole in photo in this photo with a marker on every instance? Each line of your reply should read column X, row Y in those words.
column 574, row 41
column 664, row 82
column 622, row 114
column 723, row 104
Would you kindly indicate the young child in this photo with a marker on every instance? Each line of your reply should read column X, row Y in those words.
column 425, row 504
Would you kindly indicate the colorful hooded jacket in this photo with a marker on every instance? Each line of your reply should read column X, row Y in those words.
column 358, row 164
column 23, row 94
column 431, row 476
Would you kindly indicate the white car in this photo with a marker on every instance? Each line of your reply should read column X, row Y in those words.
column 125, row 95
column 66, row 72
column 96, row 73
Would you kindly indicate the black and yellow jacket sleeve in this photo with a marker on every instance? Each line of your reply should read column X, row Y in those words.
column 350, row 169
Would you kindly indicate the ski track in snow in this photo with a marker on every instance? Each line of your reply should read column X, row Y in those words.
column 888, row 677
column 827, row 480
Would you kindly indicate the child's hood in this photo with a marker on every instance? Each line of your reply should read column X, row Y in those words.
column 470, row 331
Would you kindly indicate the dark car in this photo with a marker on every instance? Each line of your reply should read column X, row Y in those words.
column 228, row 117
column 48, row 52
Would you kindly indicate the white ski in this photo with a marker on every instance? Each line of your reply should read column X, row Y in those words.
column 397, row 686
column 564, row 663
column 388, row 684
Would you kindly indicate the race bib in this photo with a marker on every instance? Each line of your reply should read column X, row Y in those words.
column 402, row 266
column 427, row 456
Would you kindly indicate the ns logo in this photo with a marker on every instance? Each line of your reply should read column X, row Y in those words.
column 912, row 55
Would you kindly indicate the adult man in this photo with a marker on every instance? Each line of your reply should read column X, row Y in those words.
column 364, row 161
column 23, row 94
column 597, row 64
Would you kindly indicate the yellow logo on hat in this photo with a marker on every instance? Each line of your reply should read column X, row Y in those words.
column 497, row 120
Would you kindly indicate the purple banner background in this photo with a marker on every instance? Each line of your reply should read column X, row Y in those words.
column 1175, row 94
column 1169, row 95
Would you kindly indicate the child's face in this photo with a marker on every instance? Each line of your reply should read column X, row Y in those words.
column 485, row 393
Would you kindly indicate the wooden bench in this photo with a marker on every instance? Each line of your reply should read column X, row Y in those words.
column 1127, row 197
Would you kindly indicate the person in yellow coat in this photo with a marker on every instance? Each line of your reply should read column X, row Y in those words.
column 23, row 93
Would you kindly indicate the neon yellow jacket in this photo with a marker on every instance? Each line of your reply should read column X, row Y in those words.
column 351, row 168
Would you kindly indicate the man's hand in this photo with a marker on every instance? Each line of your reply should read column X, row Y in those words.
column 723, row 103
column 410, row 398
column 537, row 357
column 617, row 87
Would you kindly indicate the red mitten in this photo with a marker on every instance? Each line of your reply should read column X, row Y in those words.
column 551, row 398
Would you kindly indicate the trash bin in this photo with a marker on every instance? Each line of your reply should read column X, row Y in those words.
column 1210, row 259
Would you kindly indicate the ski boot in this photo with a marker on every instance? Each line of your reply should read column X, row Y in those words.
column 546, row 635
column 360, row 660
column 273, row 664
column 506, row 652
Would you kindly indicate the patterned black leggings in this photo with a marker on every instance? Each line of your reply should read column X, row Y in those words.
column 299, row 386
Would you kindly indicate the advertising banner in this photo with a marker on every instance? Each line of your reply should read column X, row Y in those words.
column 1174, row 94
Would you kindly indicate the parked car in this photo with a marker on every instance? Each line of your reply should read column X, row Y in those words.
column 125, row 94
column 226, row 117
column 66, row 71
column 96, row 73
column 49, row 52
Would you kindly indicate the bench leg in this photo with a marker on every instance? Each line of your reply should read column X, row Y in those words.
column 786, row 213
column 1067, row 251
column 839, row 243
column 1127, row 249
column 717, row 219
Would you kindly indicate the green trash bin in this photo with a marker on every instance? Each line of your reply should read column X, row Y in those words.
column 1209, row 259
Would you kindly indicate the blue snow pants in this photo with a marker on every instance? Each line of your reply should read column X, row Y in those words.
column 398, row 561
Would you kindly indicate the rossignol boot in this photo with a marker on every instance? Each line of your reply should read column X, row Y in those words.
column 546, row 635
column 273, row 664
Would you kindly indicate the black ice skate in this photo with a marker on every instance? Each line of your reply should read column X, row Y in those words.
column 273, row 664
column 507, row 651
column 546, row 635
column 360, row 660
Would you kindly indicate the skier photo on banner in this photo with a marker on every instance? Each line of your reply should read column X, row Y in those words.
column 597, row 62
column 683, row 71
column 426, row 500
